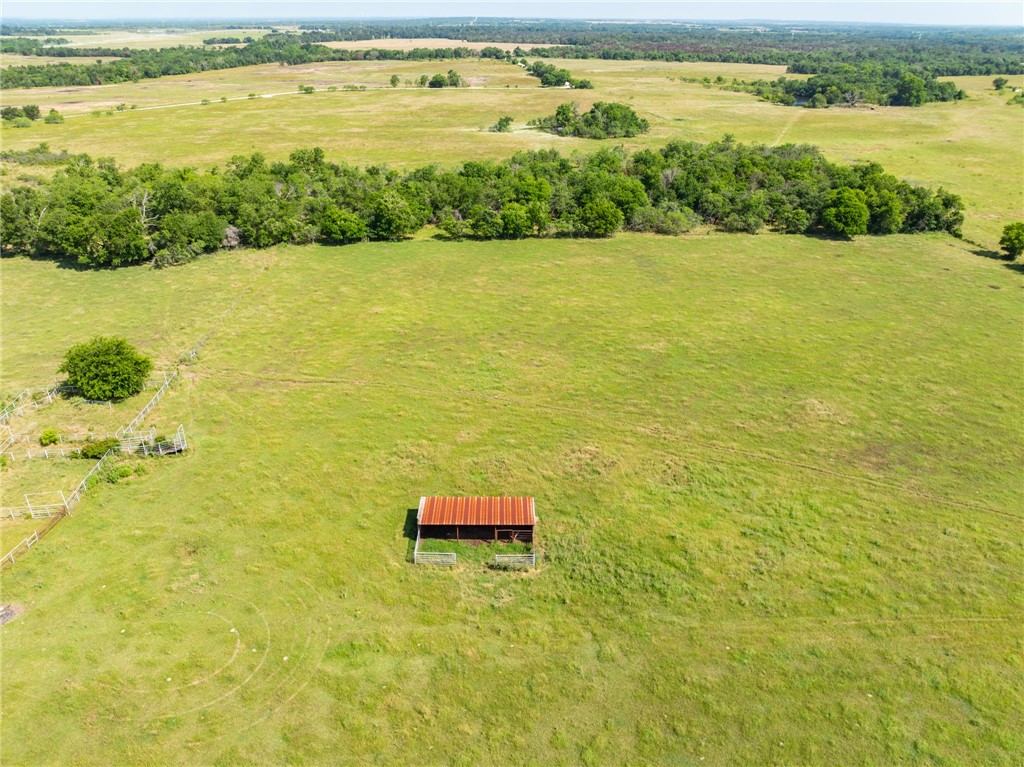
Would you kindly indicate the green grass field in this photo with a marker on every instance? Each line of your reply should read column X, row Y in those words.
column 777, row 478
column 777, row 482
column 142, row 36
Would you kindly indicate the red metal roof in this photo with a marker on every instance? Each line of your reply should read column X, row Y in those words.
column 476, row 510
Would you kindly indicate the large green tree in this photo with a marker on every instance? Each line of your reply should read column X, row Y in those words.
column 106, row 368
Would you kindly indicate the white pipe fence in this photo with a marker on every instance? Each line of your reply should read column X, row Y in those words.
column 434, row 557
column 27, row 402
column 129, row 428
column 44, row 453
column 11, row 407
column 75, row 497
column 27, row 544
column 515, row 560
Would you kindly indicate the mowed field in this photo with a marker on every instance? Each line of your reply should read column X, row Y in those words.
column 777, row 482
column 967, row 147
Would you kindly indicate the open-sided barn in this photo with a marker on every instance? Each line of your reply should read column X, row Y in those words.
column 480, row 518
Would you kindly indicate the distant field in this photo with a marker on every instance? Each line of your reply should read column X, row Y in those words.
column 962, row 146
column 11, row 60
column 144, row 37
column 777, row 479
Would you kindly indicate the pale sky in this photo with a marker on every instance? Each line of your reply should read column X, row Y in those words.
column 923, row 12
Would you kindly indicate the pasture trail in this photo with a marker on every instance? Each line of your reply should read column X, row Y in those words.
column 797, row 111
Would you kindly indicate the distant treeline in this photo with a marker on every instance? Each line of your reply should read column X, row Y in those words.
column 96, row 214
column 803, row 47
column 851, row 85
column 132, row 65
column 849, row 53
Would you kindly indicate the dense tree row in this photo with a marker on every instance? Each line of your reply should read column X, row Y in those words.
column 852, row 85
column 551, row 76
column 805, row 47
column 96, row 214
column 228, row 40
column 603, row 120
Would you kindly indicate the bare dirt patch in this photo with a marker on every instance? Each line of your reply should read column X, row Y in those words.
column 9, row 612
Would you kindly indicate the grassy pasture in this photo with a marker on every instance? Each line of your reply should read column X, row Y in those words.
column 758, row 463
column 13, row 60
column 966, row 147
column 150, row 37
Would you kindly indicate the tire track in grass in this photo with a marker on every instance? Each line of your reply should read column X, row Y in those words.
column 789, row 124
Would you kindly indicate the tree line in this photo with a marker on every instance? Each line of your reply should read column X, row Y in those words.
column 850, row 86
column 133, row 65
column 806, row 47
column 851, row 53
column 96, row 214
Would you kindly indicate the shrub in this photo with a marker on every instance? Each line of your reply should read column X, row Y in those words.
column 106, row 368
column 391, row 217
column 454, row 228
column 659, row 221
column 1012, row 241
column 96, row 450
column 22, row 122
column 342, row 226
column 199, row 232
column 846, row 213
column 175, row 255
column 53, row 118
column 484, row 223
column 49, row 437
column 599, row 218
column 515, row 221
column 504, row 125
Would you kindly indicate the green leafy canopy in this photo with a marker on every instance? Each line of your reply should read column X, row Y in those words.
column 106, row 368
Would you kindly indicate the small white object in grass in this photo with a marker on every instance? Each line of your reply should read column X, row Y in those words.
column 168, row 679
column 234, row 631
column 103, row 586
column 122, row 631
column 870, row 695
column 286, row 658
